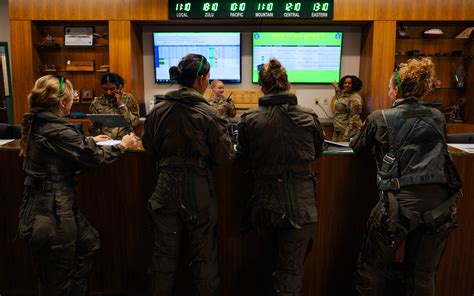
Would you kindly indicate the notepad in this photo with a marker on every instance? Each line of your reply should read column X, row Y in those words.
column 108, row 143
column 5, row 141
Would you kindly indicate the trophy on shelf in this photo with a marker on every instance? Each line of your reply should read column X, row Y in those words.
column 402, row 31
column 75, row 97
column 453, row 113
column 87, row 96
column 47, row 41
column 459, row 75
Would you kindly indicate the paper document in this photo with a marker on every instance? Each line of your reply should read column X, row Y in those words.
column 469, row 148
column 108, row 143
column 340, row 144
column 3, row 142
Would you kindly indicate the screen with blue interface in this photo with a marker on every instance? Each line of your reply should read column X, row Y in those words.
column 222, row 49
column 308, row 57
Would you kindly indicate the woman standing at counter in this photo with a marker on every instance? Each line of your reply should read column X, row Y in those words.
column 187, row 138
column 278, row 141
column 417, row 181
column 61, row 239
column 348, row 107
column 224, row 105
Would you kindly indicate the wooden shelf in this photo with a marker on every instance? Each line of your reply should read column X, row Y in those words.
column 60, row 46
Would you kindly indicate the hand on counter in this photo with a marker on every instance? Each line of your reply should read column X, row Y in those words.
column 101, row 138
column 129, row 141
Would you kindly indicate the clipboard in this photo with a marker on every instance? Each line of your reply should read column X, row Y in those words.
column 109, row 120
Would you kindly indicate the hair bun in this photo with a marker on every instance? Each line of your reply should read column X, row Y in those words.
column 274, row 64
column 175, row 73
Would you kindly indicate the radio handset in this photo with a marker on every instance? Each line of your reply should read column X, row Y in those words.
column 229, row 98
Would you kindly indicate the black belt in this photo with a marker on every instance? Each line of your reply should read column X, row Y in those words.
column 47, row 185
column 183, row 162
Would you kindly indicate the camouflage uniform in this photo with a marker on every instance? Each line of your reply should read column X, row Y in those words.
column 408, row 143
column 104, row 105
column 278, row 142
column 348, row 106
column 187, row 137
column 225, row 109
column 61, row 239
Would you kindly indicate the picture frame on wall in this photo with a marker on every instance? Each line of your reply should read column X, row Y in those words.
column 79, row 36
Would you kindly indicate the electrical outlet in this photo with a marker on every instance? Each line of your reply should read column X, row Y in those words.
column 325, row 101
column 316, row 101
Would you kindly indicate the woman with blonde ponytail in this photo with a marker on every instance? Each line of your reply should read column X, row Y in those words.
column 61, row 239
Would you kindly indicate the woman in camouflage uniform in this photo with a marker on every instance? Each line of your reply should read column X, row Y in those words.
column 348, row 107
column 115, row 101
column 61, row 239
column 224, row 105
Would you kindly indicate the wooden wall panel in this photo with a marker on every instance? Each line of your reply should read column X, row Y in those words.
column 423, row 9
column 365, row 69
column 126, row 55
column 69, row 10
column 22, row 69
column 137, row 81
column 120, row 50
column 353, row 10
column 149, row 9
column 377, row 62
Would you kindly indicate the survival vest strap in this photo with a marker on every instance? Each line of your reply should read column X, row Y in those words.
column 388, row 178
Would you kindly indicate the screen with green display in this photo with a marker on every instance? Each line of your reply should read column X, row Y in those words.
column 308, row 57
column 223, row 9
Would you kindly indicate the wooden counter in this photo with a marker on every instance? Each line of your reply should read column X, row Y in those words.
column 114, row 199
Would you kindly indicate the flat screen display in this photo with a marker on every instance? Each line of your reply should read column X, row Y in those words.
column 222, row 49
column 309, row 57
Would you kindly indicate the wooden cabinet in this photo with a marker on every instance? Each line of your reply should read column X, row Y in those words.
column 448, row 53
column 52, row 56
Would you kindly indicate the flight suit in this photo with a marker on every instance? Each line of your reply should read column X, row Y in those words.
column 187, row 138
column 416, row 196
column 277, row 142
column 61, row 239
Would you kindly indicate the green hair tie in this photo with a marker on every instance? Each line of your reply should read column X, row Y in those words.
column 200, row 67
column 61, row 85
column 397, row 77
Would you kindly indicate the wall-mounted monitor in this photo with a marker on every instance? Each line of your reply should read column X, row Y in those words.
column 222, row 49
column 309, row 57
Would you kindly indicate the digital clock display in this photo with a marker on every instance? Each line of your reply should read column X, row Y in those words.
column 219, row 9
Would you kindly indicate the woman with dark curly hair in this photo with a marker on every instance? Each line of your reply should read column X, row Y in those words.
column 348, row 107
column 417, row 181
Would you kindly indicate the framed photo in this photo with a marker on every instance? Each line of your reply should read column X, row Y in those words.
column 78, row 36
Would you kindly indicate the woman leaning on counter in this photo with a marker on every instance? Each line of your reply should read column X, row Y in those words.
column 348, row 107
column 417, row 181
column 187, row 137
column 277, row 142
column 61, row 239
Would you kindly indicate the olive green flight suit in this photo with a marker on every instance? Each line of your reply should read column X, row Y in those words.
column 61, row 239
column 278, row 141
column 187, row 138
column 408, row 143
